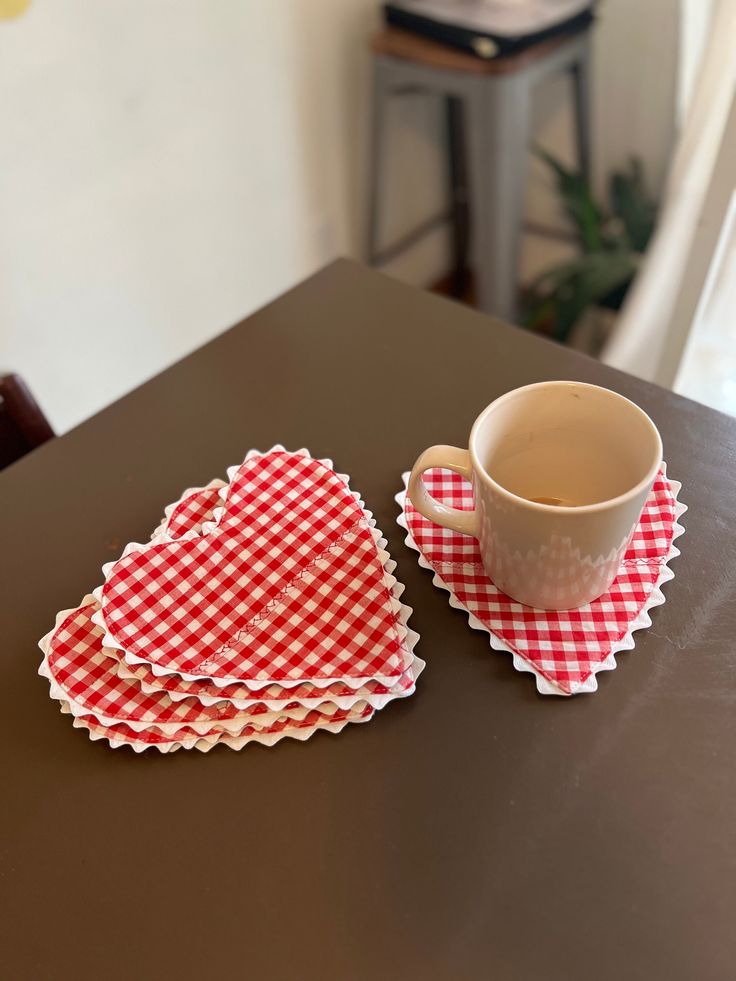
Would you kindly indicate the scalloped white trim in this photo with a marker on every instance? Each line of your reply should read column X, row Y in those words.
column 407, row 636
column 205, row 743
column 375, row 701
column 627, row 642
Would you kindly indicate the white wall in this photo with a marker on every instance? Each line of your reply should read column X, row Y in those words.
column 167, row 168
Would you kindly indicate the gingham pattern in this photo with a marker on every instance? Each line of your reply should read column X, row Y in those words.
column 84, row 673
column 195, row 506
column 188, row 738
column 563, row 646
column 288, row 588
column 186, row 517
column 193, row 510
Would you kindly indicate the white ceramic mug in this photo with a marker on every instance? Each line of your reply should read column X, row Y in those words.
column 560, row 473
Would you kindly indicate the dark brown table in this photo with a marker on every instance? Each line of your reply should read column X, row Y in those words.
column 475, row 831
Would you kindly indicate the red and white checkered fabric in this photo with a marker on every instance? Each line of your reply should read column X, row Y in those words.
column 193, row 510
column 187, row 738
column 131, row 705
column 84, row 673
column 565, row 647
column 288, row 588
column 186, row 517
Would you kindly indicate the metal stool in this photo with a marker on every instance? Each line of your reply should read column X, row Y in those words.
column 488, row 130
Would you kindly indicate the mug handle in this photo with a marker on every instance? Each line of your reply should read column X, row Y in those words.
column 449, row 458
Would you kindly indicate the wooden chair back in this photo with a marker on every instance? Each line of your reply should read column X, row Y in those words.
column 23, row 426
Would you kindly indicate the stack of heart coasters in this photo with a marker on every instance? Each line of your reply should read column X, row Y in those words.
column 262, row 607
column 563, row 649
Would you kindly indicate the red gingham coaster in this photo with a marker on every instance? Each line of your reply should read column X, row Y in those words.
column 288, row 587
column 563, row 649
column 196, row 508
column 84, row 673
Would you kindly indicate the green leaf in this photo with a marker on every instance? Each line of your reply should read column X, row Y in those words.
column 631, row 203
column 550, row 279
column 575, row 286
column 577, row 200
column 611, row 246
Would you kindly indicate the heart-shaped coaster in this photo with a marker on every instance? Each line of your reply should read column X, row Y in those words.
column 287, row 587
column 82, row 672
column 190, row 513
column 563, row 649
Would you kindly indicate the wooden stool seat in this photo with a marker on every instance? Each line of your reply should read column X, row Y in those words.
column 396, row 43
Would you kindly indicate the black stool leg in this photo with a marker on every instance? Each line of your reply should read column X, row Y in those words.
column 458, row 180
column 581, row 86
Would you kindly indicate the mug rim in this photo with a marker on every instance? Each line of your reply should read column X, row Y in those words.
column 628, row 495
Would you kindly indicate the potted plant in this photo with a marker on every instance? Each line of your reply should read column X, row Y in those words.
column 612, row 239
